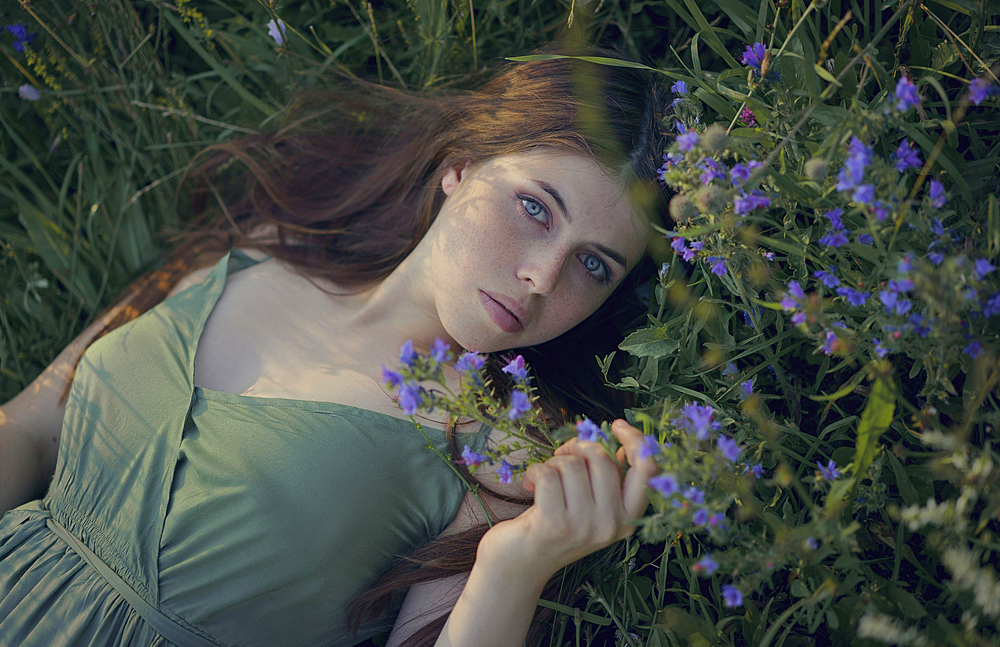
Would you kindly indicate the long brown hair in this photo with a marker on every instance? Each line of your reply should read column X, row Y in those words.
column 350, row 184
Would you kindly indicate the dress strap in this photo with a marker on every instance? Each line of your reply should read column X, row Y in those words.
column 161, row 624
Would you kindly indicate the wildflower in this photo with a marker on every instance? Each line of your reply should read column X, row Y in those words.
column 906, row 156
column 669, row 159
column 697, row 420
column 474, row 459
column 718, row 265
column 865, row 239
column 505, row 472
column 716, row 519
column 921, row 324
column 588, row 431
column 747, row 202
column 406, row 353
column 392, row 378
column 854, row 297
column 711, row 170
column 694, row 495
column 880, row 348
column 741, row 172
column 829, row 471
column 700, row 517
column 754, row 56
column 834, row 216
column 980, row 89
column 864, row 193
column 746, row 389
column 729, row 449
column 983, row 267
column 687, row 141
column 747, row 117
column 836, row 238
column 22, row 37
column 520, row 404
column 276, row 30
column 470, row 362
column 439, row 351
column 732, row 596
column 794, row 297
column 28, row 92
column 905, row 265
column 707, row 565
column 517, row 370
column 409, row 398
column 665, row 484
column 662, row 274
column 811, row 543
column 730, row 369
column 830, row 343
column 893, row 303
column 798, row 318
column 936, row 257
column 936, row 194
column 992, row 306
column 828, row 279
column 680, row 87
column 757, row 470
column 649, row 448
column 880, row 209
column 973, row 350
column 906, row 95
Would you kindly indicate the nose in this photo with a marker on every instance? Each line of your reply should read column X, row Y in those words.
column 541, row 270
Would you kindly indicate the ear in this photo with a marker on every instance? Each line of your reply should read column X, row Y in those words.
column 453, row 177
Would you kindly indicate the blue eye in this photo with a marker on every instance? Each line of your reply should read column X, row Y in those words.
column 597, row 268
column 534, row 210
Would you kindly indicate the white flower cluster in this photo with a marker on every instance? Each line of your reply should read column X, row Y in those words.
column 889, row 631
column 969, row 575
column 945, row 513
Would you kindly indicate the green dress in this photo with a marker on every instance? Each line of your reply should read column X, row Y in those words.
column 183, row 516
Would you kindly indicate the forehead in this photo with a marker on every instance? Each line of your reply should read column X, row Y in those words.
column 596, row 207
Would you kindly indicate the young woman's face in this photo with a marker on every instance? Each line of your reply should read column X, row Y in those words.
column 527, row 246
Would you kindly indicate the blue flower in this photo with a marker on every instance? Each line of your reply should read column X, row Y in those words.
column 905, row 265
column 983, row 267
column 757, row 470
column 687, row 141
column 439, row 350
column 893, row 303
column 880, row 348
column 700, row 517
column 854, row 297
column 694, row 495
column 717, row 519
column 798, row 318
column 811, row 543
column 662, row 274
column 730, row 369
column 747, row 202
column 921, row 324
column 698, row 420
column 707, row 565
column 906, row 95
column 517, row 370
column 728, row 448
column 936, row 257
column 718, row 265
column 906, row 156
column 864, row 193
column 834, row 216
column 711, row 170
column 937, row 196
column 746, row 389
column 754, row 55
column 794, row 297
column 732, row 596
column 520, row 404
column 742, row 172
column 837, row 238
column 588, row 431
column 865, row 239
column 973, row 350
column 828, row 471
column 828, row 279
column 28, row 92
column 406, row 353
column 505, row 472
column 473, row 459
column 649, row 448
column 992, row 306
column 410, row 397
column 680, row 87
column 21, row 37
column 980, row 89
column 392, row 378
column 276, row 30
column 665, row 484
column 830, row 343
column 470, row 361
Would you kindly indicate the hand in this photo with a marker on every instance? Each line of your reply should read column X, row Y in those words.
column 582, row 504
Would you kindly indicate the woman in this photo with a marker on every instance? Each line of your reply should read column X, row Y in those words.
column 231, row 471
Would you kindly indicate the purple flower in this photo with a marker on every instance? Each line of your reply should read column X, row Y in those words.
column 829, row 346
column 406, row 353
column 865, row 239
column 588, row 431
column 742, row 172
column 439, row 350
column 754, row 55
column 649, row 448
column 900, row 285
column 694, row 495
column 937, row 196
column 729, row 449
column 906, row 156
column 276, row 30
column 837, row 238
column 680, row 87
column 757, row 470
column 794, row 297
column 973, row 350
column 718, row 265
column 409, row 398
column 828, row 279
column 864, row 193
column 697, row 420
column 854, row 297
column 798, row 318
column 28, row 92
column 716, row 519
column 678, row 244
column 730, row 369
column 992, row 306
column 983, row 267
column 732, row 596
column 700, row 517
column 893, row 303
column 811, row 543
column 795, row 290
column 470, row 362
column 392, row 378
column 520, row 404
column 746, row 389
column 473, row 459
column 921, row 324
column 936, row 257
column 711, row 170
column 665, row 484
column 707, row 565
column 906, row 96
column 687, row 141
column 829, row 471
column 905, row 265
column 22, row 37
column 747, row 117
column 505, row 472
column 834, row 216
column 980, row 89
column 517, row 370
column 747, row 202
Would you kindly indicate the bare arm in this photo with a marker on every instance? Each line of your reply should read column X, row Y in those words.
column 581, row 505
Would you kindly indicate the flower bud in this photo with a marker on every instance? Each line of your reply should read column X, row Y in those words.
column 817, row 168
column 710, row 199
column 682, row 208
column 715, row 140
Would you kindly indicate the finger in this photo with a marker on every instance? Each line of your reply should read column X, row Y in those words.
column 546, row 483
column 630, row 438
column 605, row 479
column 566, row 447
column 637, row 477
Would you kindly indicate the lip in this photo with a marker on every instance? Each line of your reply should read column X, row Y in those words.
column 505, row 312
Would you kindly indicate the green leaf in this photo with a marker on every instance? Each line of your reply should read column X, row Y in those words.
column 650, row 342
column 874, row 421
column 906, row 489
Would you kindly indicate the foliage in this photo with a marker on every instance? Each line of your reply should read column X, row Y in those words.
column 830, row 299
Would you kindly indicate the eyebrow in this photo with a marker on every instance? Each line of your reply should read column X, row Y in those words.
column 607, row 251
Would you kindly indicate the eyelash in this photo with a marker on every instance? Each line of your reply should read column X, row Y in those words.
column 605, row 277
